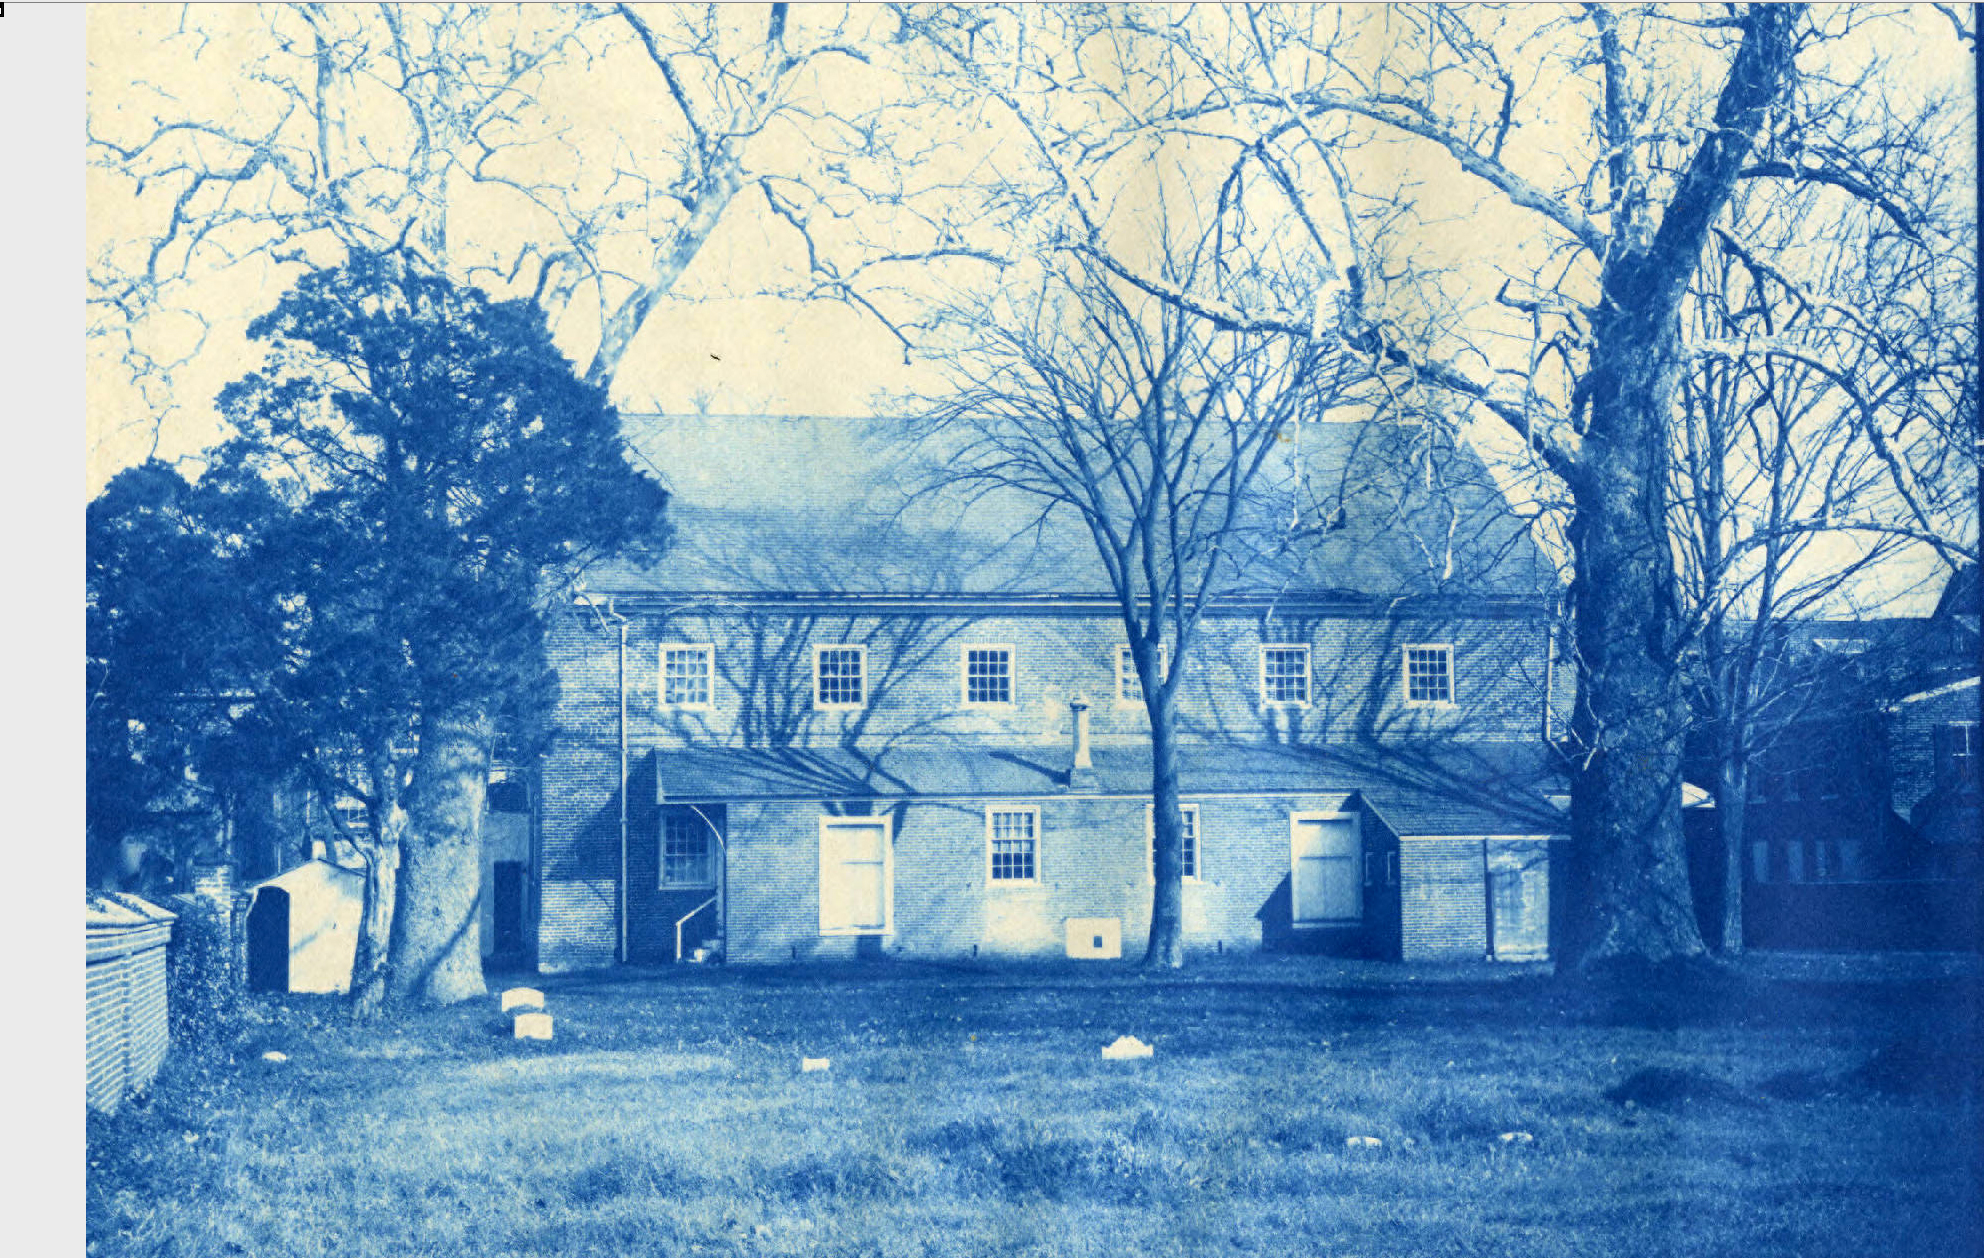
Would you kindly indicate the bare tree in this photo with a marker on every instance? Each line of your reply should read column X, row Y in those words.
column 1784, row 499
column 1156, row 430
column 264, row 141
column 1602, row 147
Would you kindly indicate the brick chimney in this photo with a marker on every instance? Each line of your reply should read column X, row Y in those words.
column 1081, row 769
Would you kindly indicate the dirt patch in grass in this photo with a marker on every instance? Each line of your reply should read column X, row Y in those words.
column 1664, row 1088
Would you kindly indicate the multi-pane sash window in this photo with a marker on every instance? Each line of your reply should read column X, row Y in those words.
column 685, row 676
column 1190, row 845
column 840, row 676
column 1429, row 674
column 1285, row 674
column 1015, row 838
column 1128, row 688
column 686, row 850
column 988, row 674
column 1956, row 754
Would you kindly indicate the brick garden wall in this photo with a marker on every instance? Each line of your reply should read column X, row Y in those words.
column 127, row 1030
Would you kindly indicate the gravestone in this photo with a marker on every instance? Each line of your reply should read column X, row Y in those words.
column 522, row 998
column 533, row 1026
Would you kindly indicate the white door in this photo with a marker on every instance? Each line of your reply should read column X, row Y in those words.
column 855, row 876
column 1325, row 856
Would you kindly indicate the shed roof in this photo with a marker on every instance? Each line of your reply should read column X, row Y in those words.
column 819, row 504
column 314, row 872
column 1468, row 789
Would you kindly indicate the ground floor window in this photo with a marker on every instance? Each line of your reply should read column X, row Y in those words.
column 688, row 849
column 1013, row 835
column 1190, row 815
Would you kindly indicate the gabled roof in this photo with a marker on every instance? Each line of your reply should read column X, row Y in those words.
column 1437, row 789
column 817, row 504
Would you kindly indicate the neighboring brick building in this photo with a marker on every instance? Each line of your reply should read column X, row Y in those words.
column 836, row 720
column 1862, row 823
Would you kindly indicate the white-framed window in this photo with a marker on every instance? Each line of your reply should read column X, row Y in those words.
column 840, row 676
column 1429, row 675
column 857, row 876
column 1285, row 674
column 686, row 674
column 1012, row 844
column 1189, row 813
column 1128, row 689
column 688, row 849
column 1957, row 754
column 986, row 675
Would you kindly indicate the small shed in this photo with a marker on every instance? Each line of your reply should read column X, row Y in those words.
column 125, row 940
column 302, row 928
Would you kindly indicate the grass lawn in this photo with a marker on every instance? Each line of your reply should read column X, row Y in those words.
column 968, row 1111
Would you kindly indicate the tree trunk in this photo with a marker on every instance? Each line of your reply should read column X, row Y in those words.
column 1732, row 789
column 1167, row 901
column 372, row 964
column 436, row 940
column 1629, row 859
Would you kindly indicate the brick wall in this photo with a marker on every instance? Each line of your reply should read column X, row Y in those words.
column 1443, row 900
column 127, row 1030
column 1911, row 742
column 1092, row 850
column 763, row 678
column 1092, row 862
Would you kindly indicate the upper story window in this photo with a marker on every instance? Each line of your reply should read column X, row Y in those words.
column 686, row 849
column 1285, row 674
column 1429, row 674
column 1128, row 688
column 840, row 676
column 1189, row 813
column 988, row 675
column 686, row 670
column 1013, row 838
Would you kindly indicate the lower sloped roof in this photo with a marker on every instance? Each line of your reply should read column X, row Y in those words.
column 1443, row 789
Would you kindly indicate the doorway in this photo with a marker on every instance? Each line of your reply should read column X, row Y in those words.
column 268, row 941
column 507, row 902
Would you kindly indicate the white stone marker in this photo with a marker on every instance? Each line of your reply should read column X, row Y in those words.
column 527, row 996
column 1127, row 1048
column 810, row 1065
column 275, row 1055
column 533, row 1026
column 1362, row 1142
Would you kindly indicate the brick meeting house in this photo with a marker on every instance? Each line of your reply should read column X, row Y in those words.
column 843, row 719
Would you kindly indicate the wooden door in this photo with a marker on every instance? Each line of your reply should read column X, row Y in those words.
column 1325, row 855
column 854, row 876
